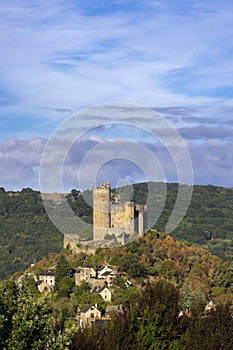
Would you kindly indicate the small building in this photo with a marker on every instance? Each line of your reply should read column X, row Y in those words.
column 48, row 277
column 88, row 315
column 107, row 275
column 103, row 270
column 84, row 274
column 104, row 292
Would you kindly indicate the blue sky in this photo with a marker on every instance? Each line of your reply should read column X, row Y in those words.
column 60, row 56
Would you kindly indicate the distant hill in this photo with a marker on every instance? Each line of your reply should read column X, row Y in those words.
column 27, row 234
column 208, row 221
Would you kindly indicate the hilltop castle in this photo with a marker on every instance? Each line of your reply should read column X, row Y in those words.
column 112, row 217
column 114, row 221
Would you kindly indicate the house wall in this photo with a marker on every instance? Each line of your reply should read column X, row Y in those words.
column 106, row 294
column 89, row 316
column 84, row 274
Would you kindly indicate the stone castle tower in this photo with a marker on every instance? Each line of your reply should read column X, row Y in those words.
column 101, row 211
column 110, row 216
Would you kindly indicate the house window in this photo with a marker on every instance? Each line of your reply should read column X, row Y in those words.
column 92, row 315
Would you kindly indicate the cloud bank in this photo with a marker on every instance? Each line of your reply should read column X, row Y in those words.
column 212, row 161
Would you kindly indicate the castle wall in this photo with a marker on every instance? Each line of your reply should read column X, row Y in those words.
column 74, row 242
column 122, row 215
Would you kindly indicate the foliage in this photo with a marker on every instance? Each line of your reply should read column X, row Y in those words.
column 27, row 234
column 63, row 269
column 155, row 325
column 193, row 300
column 28, row 320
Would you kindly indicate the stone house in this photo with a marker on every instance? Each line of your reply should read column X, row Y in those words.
column 84, row 274
column 104, row 277
column 88, row 315
column 107, row 275
column 48, row 277
column 104, row 292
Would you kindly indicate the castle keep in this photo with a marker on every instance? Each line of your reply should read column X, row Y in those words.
column 111, row 216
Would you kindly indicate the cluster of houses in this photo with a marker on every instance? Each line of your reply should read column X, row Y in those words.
column 101, row 282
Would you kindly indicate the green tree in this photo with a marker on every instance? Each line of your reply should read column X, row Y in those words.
column 66, row 286
column 133, row 266
column 8, row 306
column 63, row 269
column 34, row 327
column 193, row 300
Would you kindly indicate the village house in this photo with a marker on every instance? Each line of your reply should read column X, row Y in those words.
column 88, row 315
column 48, row 277
column 107, row 275
column 103, row 278
column 103, row 270
column 84, row 274
column 45, row 281
column 104, row 292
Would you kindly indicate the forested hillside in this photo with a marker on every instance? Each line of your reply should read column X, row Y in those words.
column 27, row 234
column 173, row 296
column 208, row 222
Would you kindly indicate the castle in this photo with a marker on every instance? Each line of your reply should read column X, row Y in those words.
column 112, row 217
column 114, row 221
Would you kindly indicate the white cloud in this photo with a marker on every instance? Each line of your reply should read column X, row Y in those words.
column 212, row 162
column 19, row 162
column 59, row 56
column 53, row 54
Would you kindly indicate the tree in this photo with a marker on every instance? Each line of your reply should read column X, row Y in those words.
column 63, row 269
column 214, row 332
column 8, row 306
column 66, row 287
column 133, row 266
column 158, row 308
column 33, row 324
column 193, row 300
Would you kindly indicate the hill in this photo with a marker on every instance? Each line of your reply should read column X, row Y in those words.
column 164, row 302
column 27, row 234
column 208, row 221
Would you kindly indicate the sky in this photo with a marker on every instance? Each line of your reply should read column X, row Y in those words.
column 60, row 57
